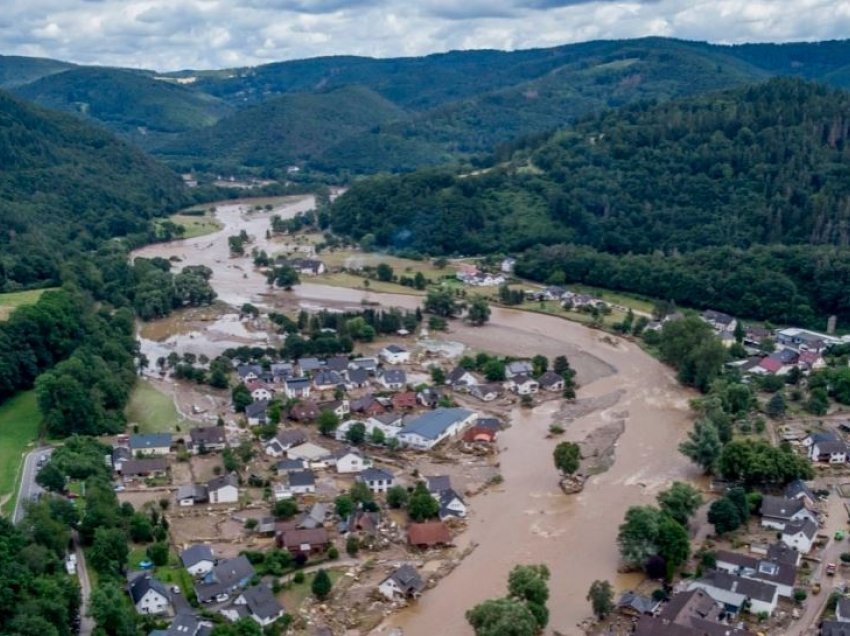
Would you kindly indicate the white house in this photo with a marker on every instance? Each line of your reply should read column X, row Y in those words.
column 257, row 413
column 260, row 392
column 451, row 504
column 283, row 441
column 351, row 461
column 316, row 456
column 149, row 596
column 459, row 378
column 153, row 444
column 523, row 385
column 198, row 560
column 191, row 494
column 518, row 367
column 733, row 591
column 376, row 480
column 223, row 489
column 302, row 482
column 392, row 379
column 260, row 603
column 297, row 388
column 429, row 429
column 780, row 574
column 394, row 354
column 831, row 452
column 777, row 512
column 403, row 583
column 800, row 535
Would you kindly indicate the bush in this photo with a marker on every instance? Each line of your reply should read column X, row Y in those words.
column 298, row 578
column 800, row 595
column 845, row 557
column 333, row 553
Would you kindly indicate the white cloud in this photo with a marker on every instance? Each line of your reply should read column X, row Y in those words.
column 173, row 34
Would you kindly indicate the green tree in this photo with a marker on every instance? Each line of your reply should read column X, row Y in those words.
column 724, row 515
column 243, row 627
column 241, row 397
column 529, row 583
column 441, row 302
column 356, row 435
column 703, row 445
column 285, row 509
column 479, row 311
column 438, row 376
column 494, row 370
column 567, row 457
column 421, row 505
column 775, row 407
column 109, row 610
column 158, row 553
column 328, row 422
column 51, row 478
column 601, row 597
column 818, row 402
column 397, row 496
column 673, row 543
column 321, row 585
column 384, row 272
column 638, row 534
column 141, row 528
column 344, row 506
column 352, row 545
column 680, row 501
column 502, row 617
column 108, row 553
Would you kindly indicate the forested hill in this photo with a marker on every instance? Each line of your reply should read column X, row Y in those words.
column 766, row 164
column 66, row 185
column 18, row 70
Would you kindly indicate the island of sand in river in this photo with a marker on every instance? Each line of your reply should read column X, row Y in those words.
column 526, row 518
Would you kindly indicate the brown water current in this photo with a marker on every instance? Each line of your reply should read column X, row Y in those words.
column 526, row 519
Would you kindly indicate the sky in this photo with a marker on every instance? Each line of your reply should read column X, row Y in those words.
column 203, row 34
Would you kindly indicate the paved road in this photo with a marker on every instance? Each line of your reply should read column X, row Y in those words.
column 29, row 488
column 86, row 621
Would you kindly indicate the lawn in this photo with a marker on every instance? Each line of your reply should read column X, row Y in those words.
column 12, row 300
column 195, row 225
column 292, row 597
column 19, row 425
column 152, row 410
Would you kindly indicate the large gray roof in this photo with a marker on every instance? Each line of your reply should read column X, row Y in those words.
column 261, row 602
column 434, row 423
column 195, row 554
column 780, row 507
column 747, row 587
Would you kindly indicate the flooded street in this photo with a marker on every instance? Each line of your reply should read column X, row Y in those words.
column 526, row 519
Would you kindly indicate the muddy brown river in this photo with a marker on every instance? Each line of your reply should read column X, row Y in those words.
column 526, row 519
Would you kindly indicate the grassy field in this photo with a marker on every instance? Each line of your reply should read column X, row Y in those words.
column 152, row 410
column 12, row 300
column 19, row 424
column 195, row 225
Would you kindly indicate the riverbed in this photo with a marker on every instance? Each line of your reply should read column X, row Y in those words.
column 526, row 519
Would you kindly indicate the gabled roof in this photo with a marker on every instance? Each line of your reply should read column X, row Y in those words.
column 288, row 465
column 747, row 587
column 637, row 602
column 781, row 553
column 184, row 624
column 429, row 534
column 302, row 478
column 518, row 367
column 309, row 364
column 780, row 507
column 717, row 316
column 195, row 554
column 309, row 451
column 144, row 466
column 446, row 498
column 798, row 487
column 835, row 628
column 407, row 578
column 433, row 424
column 154, row 440
column 488, row 422
column 438, row 483
column 456, row 374
column 327, row 377
column 208, row 434
column 142, row 583
column 198, row 492
column 375, row 474
column 244, row 370
column 256, row 409
column 216, row 483
column 358, row 376
column 290, row 437
column 519, row 380
column 261, row 602
column 231, row 572
column 550, row 378
column 394, row 348
column 337, row 363
column 806, row 526
column 394, row 376
column 297, row 383
column 301, row 536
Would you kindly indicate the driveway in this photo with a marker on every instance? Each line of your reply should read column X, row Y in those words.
column 86, row 621
column 29, row 489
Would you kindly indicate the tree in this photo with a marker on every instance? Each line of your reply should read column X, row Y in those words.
column 384, row 272
column 680, row 501
column 637, row 535
column 494, row 370
column 377, row 437
column 360, row 493
column 818, row 402
column 724, row 515
column 601, row 597
column 479, row 311
column 344, row 506
column 141, row 529
column 285, row 509
column 738, row 496
column 775, row 407
column 438, row 376
column 356, row 435
column 243, row 627
column 321, row 586
column 158, row 553
column 352, row 545
column 397, row 496
column 108, row 608
column 241, row 397
column 51, row 478
column 108, row 553
column 422, row 505
column 328, row 422
column 529, row 583
column 703, row 445
column 673, row 543
column 567, row 457
column 502, row 617
column 540, row 363
column 441, row 302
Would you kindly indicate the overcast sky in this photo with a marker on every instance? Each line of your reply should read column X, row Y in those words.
column 177, row 34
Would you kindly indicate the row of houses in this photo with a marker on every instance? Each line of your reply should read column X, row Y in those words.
column 519, row 381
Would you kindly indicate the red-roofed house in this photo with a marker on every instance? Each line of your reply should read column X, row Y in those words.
column 429, row 534
column 404, row 400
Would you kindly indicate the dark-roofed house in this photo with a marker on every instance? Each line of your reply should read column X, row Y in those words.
column 428, row 535
column 314, row 518
column 302, row 482
column 370, row 365
column 288, row 465
column 518, row 367
column 733, row 591
column 830, row 452
column 223, row 489
column 153, row 444
column 719, row 321
column 489, row 422
column 149, row 596
column 284, row 440
column 305, row 541
column 297, row 388
column 393, row 379
column 188, row 624
column 460, row 379
column 248, row 372
column 337, row 363
column 800, row 535
column 148, row 467
column 191, row 494
column 438, row 483
column 356, row 378
column 798, row 489
column 781, row 553
column 257, row 413
column 633, row 604
column 834, row 628
column 486, row 392
column 404, row 582
column 340, row 408
column 842, row 609
column 451, row 505
column 429, row 396
column 405, row 400
column 224, row 579
column 376, row 479
column 304, row 411
column 208, row 438
column 198, row 559
column 782, row 575
column 776, row 512
column 309, row 364
column 692, row 613
column 260, row 603
column 367, row 405
column 523, row 385
column 429, row 429
column 551, row 381
column 327, row 380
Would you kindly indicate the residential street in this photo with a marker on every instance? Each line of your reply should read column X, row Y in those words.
column 29, row 488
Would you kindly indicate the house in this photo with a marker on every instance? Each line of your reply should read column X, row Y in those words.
column 283, row 441
column 438, row 483
column 429, row 429
column 118, row 456
column 486, row 392
column 803, row 339
column 798, row 489
column 810, row 361
column 394, row 354
column 225, row 578
column 460, row 379
column 518, row 367
column 327, row 380
column 153, row 444
column 281, row 371
column 428, row 535
column 370, row 365
column 633, row 604
column 304, row 411
column 842, row 610
column 507, row 265
column 429, row 397
column 403, row 583
column 147, row 467
column 337, row 363
column 187, row 624
column 693, row 613
column 394, row 420
column 551, row 381
column 719, row 321
column 479, row 434
column 309, row 365
column 207, row 438
column 314, row 518
column 834, row 628
column 777, row 512
column 376, row 479
column 149, row 596
column 393, row 379
column 351, row 460
column 360, row 521
column 405, row 400
column 257, row 413
column 259, row 390
column 261, row 605
column 308, row 541
column 302, row 482
column 248, row 372
column 223, row 489
column 781, row 553
column 356, row 378
column 367, row 405
column 770, row 366
column 340, row 408
column 523, row 385
column 451, row 505
column 800, row 535
column 191, row 494
column 829, row 451
column 314, row 454
column 490, row 423
column 782, row 575
column 306, row 266
column 734, row 591
column 198, row 560
column 286, row 466
column 295, row 388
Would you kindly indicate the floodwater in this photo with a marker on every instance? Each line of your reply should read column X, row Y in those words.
column 526, row 519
